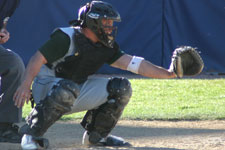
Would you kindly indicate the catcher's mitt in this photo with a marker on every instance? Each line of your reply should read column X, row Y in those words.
column 186, row 61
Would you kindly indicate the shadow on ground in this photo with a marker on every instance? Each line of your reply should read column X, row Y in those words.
column 149, row 135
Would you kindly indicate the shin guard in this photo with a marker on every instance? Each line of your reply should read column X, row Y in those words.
column 49, row 110
column 99, row 122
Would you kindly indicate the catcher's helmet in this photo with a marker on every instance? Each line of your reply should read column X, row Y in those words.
column 91, row 16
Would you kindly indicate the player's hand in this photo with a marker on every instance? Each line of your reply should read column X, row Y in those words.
column 4, row 36
column 21, row 95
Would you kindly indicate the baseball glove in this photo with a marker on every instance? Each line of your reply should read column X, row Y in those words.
column 186, row 61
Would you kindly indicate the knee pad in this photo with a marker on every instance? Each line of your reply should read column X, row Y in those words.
column 120, row 90
column 58, row 102
column 65, row 92
column 102, row 120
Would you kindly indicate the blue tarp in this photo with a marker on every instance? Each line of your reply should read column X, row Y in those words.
column 149, row 28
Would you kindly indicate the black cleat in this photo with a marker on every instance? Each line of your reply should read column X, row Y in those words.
column 10, row 134
column 94, row 139
column 112, row 140
column 42, row 142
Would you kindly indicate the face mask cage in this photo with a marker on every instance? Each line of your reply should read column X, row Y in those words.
column 106, row 34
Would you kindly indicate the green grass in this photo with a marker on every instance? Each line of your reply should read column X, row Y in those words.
column 174, row 99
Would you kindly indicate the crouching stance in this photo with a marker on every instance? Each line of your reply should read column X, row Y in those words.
column 57, row 103
column 98, row 122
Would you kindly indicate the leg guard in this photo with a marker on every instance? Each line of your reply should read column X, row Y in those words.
column 99, row 122
column 49, row 110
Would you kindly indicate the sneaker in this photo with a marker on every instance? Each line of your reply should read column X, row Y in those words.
column 28, row 143
column 94, row 139
column 10, row 134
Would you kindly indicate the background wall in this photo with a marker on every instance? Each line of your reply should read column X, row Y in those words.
column 149, row 28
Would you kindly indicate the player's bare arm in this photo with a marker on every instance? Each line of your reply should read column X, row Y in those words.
column 144, row 67
column 23, row 92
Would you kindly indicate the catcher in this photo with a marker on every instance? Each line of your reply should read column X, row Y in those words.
column 62, row 69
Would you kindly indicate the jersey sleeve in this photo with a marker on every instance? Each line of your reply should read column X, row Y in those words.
column 56, row 47
column 117, row 54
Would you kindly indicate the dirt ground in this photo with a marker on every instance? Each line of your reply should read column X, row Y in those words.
column 143, row 135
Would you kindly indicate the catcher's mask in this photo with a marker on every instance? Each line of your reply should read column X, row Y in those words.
column 94, row 15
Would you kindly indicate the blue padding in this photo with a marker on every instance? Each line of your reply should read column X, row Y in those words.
column 149, row 28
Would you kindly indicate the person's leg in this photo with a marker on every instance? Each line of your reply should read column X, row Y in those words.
column 93, row 93
column 11, row 72
column 56, row 103
column 42, row 86
column 105, row 100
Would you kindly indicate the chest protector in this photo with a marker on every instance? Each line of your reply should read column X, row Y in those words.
column 88, row 58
